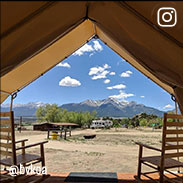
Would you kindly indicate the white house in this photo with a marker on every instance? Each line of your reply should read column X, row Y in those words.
column 101, row 124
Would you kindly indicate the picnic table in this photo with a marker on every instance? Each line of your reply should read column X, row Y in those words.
column 62, row 128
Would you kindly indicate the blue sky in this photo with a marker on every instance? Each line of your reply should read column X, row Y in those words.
column 94, row 72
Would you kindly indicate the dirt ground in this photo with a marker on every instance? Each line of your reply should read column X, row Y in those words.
column 113, row 150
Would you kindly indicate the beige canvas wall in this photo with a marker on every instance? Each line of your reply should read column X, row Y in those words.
column 35, row 36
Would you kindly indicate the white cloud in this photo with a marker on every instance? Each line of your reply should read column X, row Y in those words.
column 96, row 70
column 120, row 86
column 97, row 46
column 129, row 72
column 107, row 81
column 142, row 96
column 106, row 66
column 87, row 48
column 126, row 74
column 122, row 95
column 83, row 49
column 99, row 72
column 100, row 75
column 112, row 73
column 68, row 81
column 168, row 106
column 64, row 65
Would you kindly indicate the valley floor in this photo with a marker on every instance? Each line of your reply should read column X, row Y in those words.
column 112, row 150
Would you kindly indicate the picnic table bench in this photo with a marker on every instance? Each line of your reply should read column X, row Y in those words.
column 62, row 128
column 61, row 131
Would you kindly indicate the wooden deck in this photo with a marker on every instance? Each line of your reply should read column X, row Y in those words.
column 121, row 178
column 61, row 177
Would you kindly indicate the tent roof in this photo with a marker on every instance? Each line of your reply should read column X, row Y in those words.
column 35, row 36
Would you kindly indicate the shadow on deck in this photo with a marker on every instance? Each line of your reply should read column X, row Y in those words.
column 110, row 177
column 79, row 177
column 90, row 177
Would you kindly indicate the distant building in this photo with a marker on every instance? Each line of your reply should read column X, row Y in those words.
column 101, row 124
column 43, row 126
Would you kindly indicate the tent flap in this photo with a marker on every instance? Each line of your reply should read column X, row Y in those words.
column 48, row 58
column 179, row 97
column 38, row 32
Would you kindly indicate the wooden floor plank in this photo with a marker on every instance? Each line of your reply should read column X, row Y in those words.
column 122, row 178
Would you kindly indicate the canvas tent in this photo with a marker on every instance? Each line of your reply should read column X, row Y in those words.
column 35, row 36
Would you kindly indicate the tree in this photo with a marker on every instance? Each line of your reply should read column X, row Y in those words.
column 53, row 113
column 49, row 113
column 40, row 113
column 116, row 123
column 125, row 121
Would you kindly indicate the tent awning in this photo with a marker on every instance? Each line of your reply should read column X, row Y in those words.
column 35, row 36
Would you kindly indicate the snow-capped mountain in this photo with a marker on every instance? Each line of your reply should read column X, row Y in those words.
column 30, row 104
column 93, row 103
column 97, row 103
column 112, row 107
column 28, row 109
column 106, row 107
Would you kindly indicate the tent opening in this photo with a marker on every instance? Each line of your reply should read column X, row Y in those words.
column 95, row 74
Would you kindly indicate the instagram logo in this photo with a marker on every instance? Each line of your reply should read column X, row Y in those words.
column 167, row 17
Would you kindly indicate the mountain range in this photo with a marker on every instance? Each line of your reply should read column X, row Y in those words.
column 107, row 107
column 112, row 107
column 28, row 109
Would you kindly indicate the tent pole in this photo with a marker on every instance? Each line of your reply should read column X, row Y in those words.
column 176, row 112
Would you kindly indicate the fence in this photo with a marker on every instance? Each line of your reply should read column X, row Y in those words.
column 21, row 121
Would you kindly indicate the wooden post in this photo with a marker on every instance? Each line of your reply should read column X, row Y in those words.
column 65, row 135
column 139, row 162
column 20, row 124
column 48, row 135
column 70, row 131
column 161, row 172
column 14, row 158
column 177, row 134
column 42, row 156
column 60, row 133
column 23, row 151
